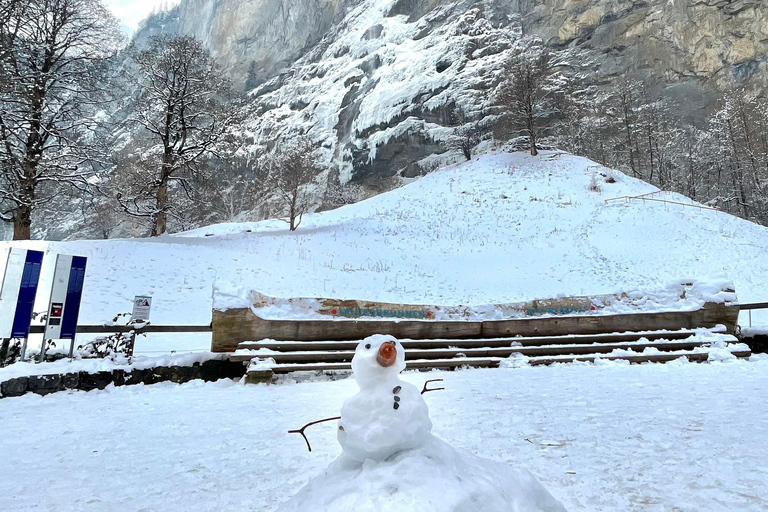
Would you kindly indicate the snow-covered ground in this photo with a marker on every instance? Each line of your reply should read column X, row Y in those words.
column 607, row 437
column 501, row 228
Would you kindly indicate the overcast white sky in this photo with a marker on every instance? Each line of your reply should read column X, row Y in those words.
column 131, row 12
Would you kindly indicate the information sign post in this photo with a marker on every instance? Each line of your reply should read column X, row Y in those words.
column 64, row 306
column 17, row 296
column 141, row 306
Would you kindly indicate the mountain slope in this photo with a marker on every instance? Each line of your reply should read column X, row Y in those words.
column 376, row 82
column 501, row 228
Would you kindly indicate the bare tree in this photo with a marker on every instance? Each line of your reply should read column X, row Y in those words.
column 292, row 166
column 525, row 94
column 181, row 109
column 236, row 188
column 52, row 57
column 466, row 135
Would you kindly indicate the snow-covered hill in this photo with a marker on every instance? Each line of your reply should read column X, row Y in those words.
column 504, row 227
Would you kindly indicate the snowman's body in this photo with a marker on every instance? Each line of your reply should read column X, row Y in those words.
column 387, row 415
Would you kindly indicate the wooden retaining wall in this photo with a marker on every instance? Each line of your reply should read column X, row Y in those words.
column 234, row 326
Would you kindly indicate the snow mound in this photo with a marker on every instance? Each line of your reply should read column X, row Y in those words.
column 433, row 478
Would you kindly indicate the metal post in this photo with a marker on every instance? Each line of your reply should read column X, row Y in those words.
column 4, row 349
column 133, row 343
column 41, row 359
column 750, row 318
column 71, row 348
column 23, row 350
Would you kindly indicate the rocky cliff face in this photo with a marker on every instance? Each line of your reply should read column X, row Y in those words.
column 377, row 82
column 260, row 36
column 678, row 39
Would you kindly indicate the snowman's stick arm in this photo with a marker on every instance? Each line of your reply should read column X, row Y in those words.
column 301, row 430
column 425, row 389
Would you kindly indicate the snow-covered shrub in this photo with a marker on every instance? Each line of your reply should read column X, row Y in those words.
column 594, row 183
column 10, row 352
column 103, row 347
column 116, row 345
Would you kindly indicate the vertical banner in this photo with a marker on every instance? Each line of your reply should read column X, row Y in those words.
column 66, row 293
column 18, row 292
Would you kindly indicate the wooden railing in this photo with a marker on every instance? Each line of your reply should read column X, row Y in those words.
column 647, row 197
column 108, row 329
column 751, row 306
column 147, row 328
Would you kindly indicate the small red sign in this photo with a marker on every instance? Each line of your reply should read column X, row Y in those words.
column 56, row 309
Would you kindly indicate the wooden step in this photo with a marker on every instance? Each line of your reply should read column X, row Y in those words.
column 639, row 358
column 488, row 362
column 502, row 352
column 304, row 346
column 416, row 364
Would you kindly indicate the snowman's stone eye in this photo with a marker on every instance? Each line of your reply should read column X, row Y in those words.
column 368, row 345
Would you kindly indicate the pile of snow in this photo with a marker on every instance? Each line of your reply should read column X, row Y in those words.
column 432, row 478
column 754, row 331
column 501, row 228
column 678, row 296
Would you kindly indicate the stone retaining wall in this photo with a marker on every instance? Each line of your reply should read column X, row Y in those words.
column 45, row 384
column 758, row 343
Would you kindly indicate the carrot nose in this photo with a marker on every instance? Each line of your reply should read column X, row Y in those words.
column 387, row 354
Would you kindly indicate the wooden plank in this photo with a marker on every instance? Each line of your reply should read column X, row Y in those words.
column 234, row 326
column 708, row 316
column 448, row 353
column 640, row 358
column 474, row 343
column 494, row 362
column 753, row 305
column 108, row 329
column 418, row 364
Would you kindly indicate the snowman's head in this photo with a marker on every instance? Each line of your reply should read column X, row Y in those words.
column 377, row 359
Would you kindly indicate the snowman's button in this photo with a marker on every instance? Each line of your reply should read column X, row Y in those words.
column 397, row 389
column 396, row 406
column 341, row 428
column 397, row 398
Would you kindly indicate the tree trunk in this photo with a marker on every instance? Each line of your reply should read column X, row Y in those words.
column 292, row 212
column 626, row 108
column 160, row 221
column 532, row 129
column 22, row 223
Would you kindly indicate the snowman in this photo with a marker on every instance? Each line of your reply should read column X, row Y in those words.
column 391, row 462
column 387, row 415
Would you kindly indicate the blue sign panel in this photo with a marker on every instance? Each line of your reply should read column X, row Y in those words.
column 74, row 295
column 27, row 293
